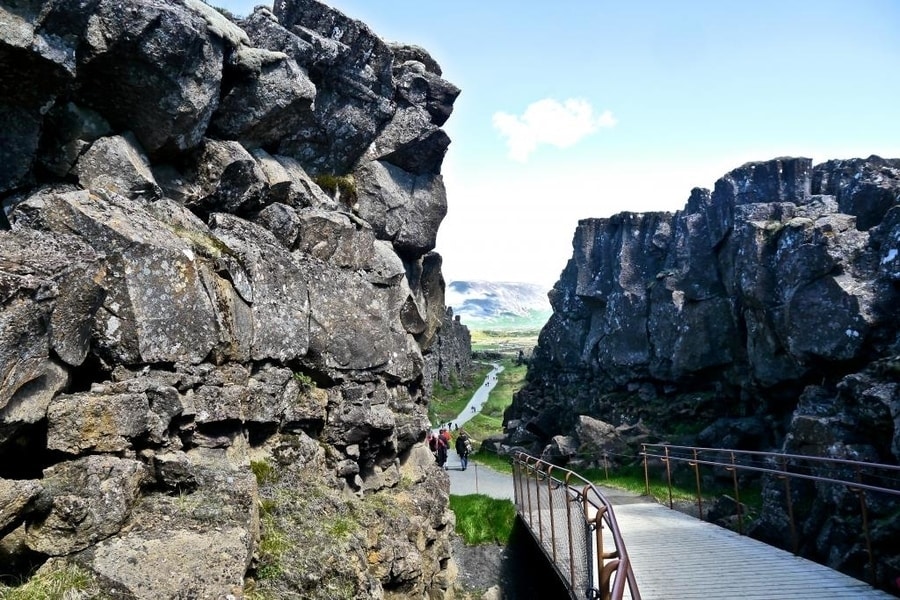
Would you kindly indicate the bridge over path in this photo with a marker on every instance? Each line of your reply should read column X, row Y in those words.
column 676, row 556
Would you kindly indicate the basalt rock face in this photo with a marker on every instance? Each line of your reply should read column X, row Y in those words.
column 450, row 361
column 762, row 316
column 219, row 301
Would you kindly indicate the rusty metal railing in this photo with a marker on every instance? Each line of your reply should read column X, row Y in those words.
column 858, row 477
column 567, row 515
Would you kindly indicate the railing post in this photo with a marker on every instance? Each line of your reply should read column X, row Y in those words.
column 790, row 505
column 569, row 530
column 669, row 476
column 737, row 494
column 552, row 518
column 537, row 489
column 646, row 473
column 865, row 523
column 517, row 481
column 528, row 483
column 696, row 466
column 602, row 576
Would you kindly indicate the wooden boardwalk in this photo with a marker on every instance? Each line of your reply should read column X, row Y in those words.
column 678, row 557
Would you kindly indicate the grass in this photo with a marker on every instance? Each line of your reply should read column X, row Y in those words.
column 633, row 480
column 483, row 520
column 264, row 472
column 59, row 583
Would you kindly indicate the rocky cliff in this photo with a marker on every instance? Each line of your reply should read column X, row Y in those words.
column 765, row 315
column 218, row 295
column 450, row 360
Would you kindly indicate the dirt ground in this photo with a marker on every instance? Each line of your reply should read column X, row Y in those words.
column 519, row 571
column 479, row 566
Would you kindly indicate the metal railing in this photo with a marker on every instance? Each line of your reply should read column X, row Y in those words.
column 862, row 479
column 567, row 516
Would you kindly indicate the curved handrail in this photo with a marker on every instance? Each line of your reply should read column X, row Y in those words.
column 610, row 565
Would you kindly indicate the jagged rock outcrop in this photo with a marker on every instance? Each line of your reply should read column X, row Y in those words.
column 450, row 360
column 220, row 309
column 762, row 316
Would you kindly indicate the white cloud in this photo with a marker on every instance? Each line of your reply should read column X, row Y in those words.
column 548, row 121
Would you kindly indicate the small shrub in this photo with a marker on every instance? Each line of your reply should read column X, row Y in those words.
column 341, row 527
column 264, row 472
column 496, row 462
column 306, row 382
column 267, row 506
column 341, row 187
column 272, row 544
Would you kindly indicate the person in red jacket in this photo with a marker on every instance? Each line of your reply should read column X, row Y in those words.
column 442, row 446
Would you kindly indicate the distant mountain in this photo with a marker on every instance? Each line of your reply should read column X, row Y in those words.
column 499, row 304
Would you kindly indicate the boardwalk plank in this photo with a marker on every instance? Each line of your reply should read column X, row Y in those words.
column 677, row 556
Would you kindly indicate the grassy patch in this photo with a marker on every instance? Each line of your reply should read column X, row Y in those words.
column 314, row 540
column 632, row 479
column 483, row 520
column 59, row 583
column 305, row 381
column 264, row 472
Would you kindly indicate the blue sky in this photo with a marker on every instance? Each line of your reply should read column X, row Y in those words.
column 578, row 109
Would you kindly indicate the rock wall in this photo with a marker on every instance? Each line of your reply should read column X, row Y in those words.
column 765, row 315
column 218, row 295
column 450, row 360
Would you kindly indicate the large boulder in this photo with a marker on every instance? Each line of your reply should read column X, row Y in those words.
column 154, row 68
column 48, row 304
column 352, row 72
column 403, row 208
column 89, row 499
column 156, row 306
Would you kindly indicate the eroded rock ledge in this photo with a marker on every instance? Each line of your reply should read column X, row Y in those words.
column 218, row 295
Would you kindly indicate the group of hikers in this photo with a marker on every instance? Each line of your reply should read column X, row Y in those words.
column 440, row 444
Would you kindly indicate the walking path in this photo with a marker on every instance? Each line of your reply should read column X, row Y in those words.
column 476, row 403
column 478, row 479
column 675, row 555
